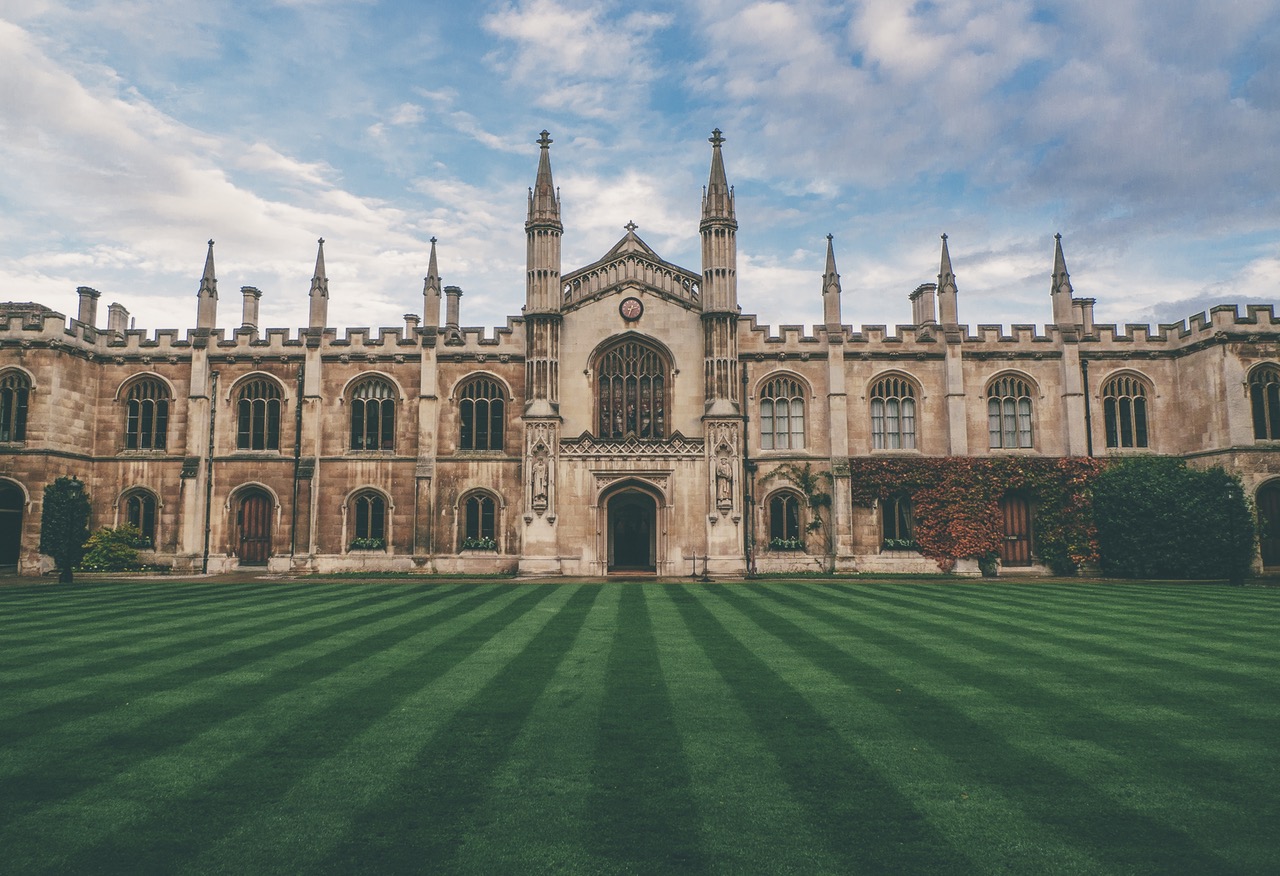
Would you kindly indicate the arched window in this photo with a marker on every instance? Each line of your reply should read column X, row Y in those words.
column 893, row 414
column 897, row 524
column 479, row 522
column 369, row 510
column 631, row 392
column 1009, row 412
column 782, row 414
column 784, row 522
column 140, row 513
column 146, row 425
column 481, row 407
column 14, row 389
column 259, row 415
column 1264, row 393
column 373, row 415
column 1124, row 409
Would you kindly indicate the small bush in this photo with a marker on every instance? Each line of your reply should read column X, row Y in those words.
column 113, row 550
column 1156, row 518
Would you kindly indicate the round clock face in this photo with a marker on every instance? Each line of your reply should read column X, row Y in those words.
column 631, row 308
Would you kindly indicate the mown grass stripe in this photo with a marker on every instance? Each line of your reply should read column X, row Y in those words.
column 107, row 603
column 106, row 731
column 447, row 781
column 1098, row 687
column 747, row 812
column 284, row 722
column 1057, row 799
column 864, row 822
column 641, row 812
column 532, row 817
column 1143, row 654
column 77, row 655
column 83, row 694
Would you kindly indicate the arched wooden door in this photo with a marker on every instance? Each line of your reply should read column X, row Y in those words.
column 1015, row 550
column 1269, row 523
column 12, row 504
column 253, row 528
column 632, row 524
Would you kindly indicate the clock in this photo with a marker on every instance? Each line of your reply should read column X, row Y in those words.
column 630, row 308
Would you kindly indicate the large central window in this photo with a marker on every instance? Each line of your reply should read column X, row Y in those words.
column 631, row 392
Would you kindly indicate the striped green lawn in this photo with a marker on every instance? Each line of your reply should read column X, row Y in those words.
column 639, row 728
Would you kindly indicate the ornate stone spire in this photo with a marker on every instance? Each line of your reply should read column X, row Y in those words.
column 544, row 200
column 319, row 291
column 947, row 291
column 431, row 291
column 1060, row 290
column 831, row 289
column 717, row 200
column 207, row 306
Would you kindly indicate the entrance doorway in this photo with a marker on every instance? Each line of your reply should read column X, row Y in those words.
column 1269, row 523
column 253, row 524
column 1015, row 550
column 12, row 505
column 632, row 524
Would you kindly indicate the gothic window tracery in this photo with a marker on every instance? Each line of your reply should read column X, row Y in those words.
column 893, row 414
column 631, row 392
column 258, row 420
column 1264, row 396
column 784, row 520
column 14, row 390
column 480, row 514
column 482, row 410
column 140, row 512
column 1009, row 412
column 369, row 509
column 373, row 415
column 782, row 414
column 1124, row 411
column 147, row 415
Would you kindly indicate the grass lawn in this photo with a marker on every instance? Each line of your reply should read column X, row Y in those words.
column 639, row 728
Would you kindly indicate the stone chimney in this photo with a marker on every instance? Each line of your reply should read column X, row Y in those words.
column 88, row 313
column 452, row 294
column 117, row 319
column 1084, row 314
column 411, row 321
column 249, row 317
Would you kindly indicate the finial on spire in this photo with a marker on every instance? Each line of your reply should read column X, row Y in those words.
column 631, row 227
column 545, row 140
column 830, row 236
column 716, row 138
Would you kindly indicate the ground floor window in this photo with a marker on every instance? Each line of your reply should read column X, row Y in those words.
column 479, row 519
column 784, row 522
column 898, row 524
column 370, row 511
column 140, row 513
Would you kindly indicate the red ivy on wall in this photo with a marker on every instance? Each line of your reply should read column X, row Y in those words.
column 956, row 502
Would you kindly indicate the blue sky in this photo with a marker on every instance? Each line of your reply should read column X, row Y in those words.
column 1147, row 133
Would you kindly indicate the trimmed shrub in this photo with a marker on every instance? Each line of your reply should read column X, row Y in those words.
column 112, row 550
column 64, row 524
column 1156, row 518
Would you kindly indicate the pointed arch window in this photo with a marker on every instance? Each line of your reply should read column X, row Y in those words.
column 146, row 424
column 1009, row 412
column 258, row 409
column 369, row 510
column 631, row 389
column 373, row 415
column 482, row 409
column 1264, row 395
column 480, row 513
column 893, row 414
column 14, row 391
column 140, row 513
column 897, row 524
column 782, row 414
column 784, row 521
column 1124, row 411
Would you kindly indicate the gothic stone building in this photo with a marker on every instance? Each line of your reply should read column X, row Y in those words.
column 628, row 419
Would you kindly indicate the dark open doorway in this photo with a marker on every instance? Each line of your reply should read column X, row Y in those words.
column 632, row 523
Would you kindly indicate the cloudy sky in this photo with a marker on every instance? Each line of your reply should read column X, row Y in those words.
column 1147, row 133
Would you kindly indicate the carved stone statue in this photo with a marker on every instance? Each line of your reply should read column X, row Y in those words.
column 724, row 481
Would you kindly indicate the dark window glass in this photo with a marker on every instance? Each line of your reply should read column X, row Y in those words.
column 258, row 415
column 481, row 409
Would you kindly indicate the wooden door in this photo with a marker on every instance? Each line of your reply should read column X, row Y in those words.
column 1269, row 523
column 1015, row 550
column 254, row 521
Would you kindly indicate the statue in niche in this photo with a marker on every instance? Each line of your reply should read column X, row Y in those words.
column 724, row 482
column 539, row 481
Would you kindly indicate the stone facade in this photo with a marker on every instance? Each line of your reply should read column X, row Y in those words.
column 629, row 419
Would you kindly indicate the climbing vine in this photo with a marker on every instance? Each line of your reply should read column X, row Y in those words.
column 956, row 503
